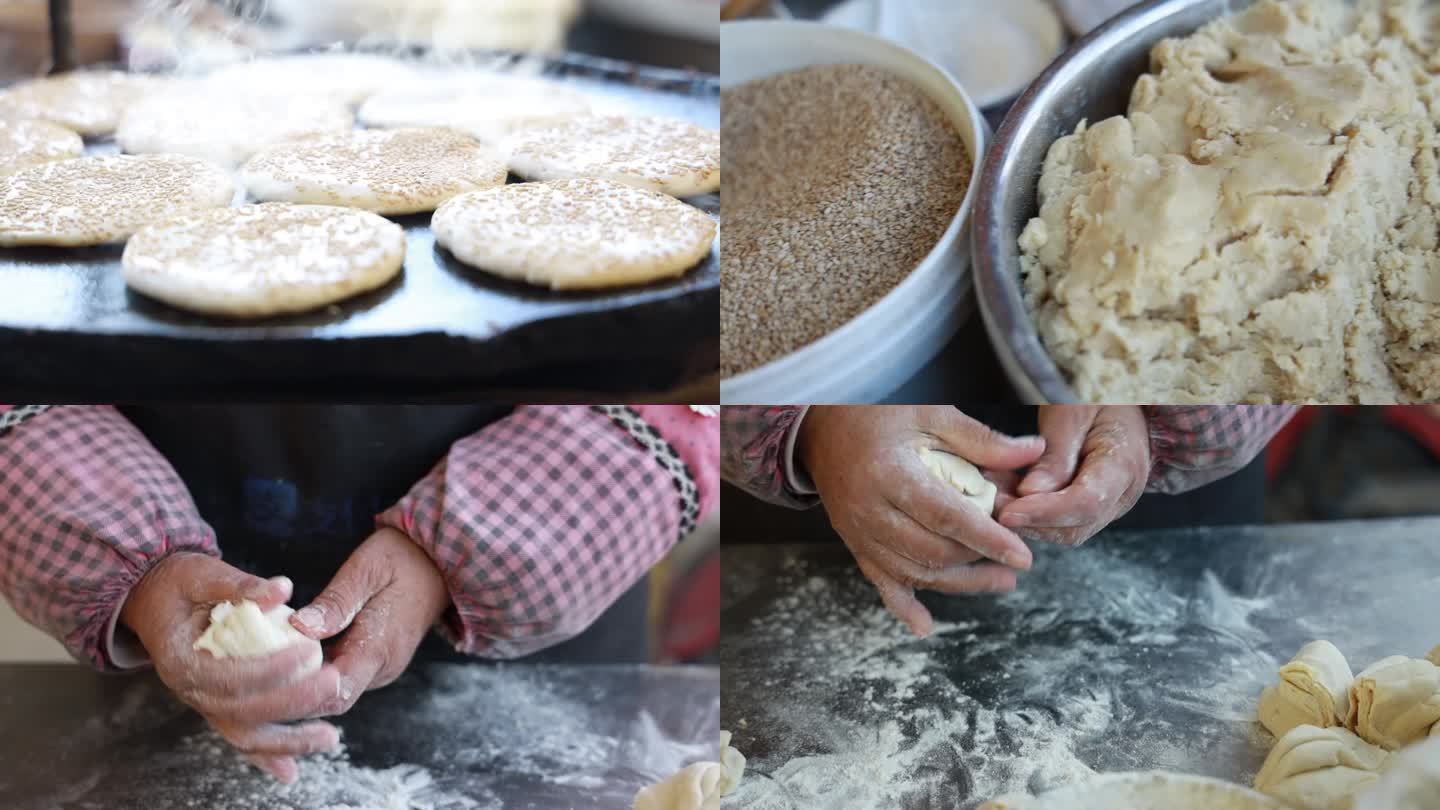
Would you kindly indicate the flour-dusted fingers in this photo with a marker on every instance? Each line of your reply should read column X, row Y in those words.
column 1065, row 428
column 284, row 768
column 898, row 598
column 273, row 739
column 302, row 699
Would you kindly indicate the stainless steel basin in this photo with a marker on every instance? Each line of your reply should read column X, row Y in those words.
column 1091, row 81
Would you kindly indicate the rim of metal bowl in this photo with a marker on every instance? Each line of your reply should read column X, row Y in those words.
column 1008, row 322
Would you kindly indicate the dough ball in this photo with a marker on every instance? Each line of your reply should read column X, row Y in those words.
column 1396, row 701
column 1314, row 689
column 1320, row 768
column 696, row 787
column 732, row 764
column 242, row 631
column 1411, row 781
column 961, row 474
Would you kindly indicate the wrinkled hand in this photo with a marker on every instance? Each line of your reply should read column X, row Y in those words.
column 906, row 527
column 387, row 596
column 170, row 608
column 1095, row 467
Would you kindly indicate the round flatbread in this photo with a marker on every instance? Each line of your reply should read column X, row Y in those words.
column 489, row 106
column 397, row 171
column 88, row 102
column 574, row 234
column 218, row 122
column 96, row 200
column 346, row 77
column 660, row 154
column 25, row 142
column 261, row 260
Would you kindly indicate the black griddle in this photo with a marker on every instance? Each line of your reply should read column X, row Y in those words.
column 70, row 330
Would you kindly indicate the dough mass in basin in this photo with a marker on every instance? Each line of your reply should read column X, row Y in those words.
column 1261, row 225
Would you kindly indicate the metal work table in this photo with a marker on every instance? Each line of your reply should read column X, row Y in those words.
column 444, row 737
column 1138, row 651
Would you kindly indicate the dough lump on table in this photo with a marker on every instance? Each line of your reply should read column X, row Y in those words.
column 962, row 475
column 1320, row 768
column 1314, row 689
column 1396, row 701
column 732, row 763
column 243, row 631
column 696, row 787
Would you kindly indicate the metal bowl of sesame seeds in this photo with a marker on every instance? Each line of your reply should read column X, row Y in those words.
column 872, row 346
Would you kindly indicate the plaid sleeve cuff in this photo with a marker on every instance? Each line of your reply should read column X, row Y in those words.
column 540, row 522
column 87, row 507
column 757, row 453
column 1193, row 445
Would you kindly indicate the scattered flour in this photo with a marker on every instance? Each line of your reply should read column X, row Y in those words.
column 838, row 707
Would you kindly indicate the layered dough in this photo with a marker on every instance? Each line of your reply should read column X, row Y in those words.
column 1262, row 225
column 1320, row 768
column 1314, row 689
column 1337, row 732
column 1396, row 701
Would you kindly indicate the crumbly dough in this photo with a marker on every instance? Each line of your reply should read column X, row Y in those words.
column 1314, row 689
column 241, row 630
column 1262, row 226
column 961, row 474
column 1320, row 768
column 696, row 787
column 1396, row 701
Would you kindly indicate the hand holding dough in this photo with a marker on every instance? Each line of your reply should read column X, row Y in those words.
column 696, row 787
column 1320, row 768
column 733, row 764
column 242, row 631
column 1314, row 689
column 1396, row 701
column 961, row 474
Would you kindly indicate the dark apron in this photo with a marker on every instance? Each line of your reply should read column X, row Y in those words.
column 294, row 489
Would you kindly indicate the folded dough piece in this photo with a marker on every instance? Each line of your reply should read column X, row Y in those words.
column 1314, row 689
column 733, row 764
column 1411, row 781
column 961, row 474
column 696, row 787
column 1320, row 768
column 1395, row 701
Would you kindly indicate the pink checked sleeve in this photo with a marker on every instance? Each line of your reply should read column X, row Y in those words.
column 1192, row 445
column 87, row 506
column 541, row 521
column 756, row 444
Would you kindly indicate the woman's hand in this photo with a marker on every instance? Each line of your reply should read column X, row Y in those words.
column 1095, row 467
column 170, row 608
column 906, row 527
column 388, row 595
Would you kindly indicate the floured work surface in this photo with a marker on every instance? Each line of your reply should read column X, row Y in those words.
column 1137, row 651
column 444, row 737
column 442, row 328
